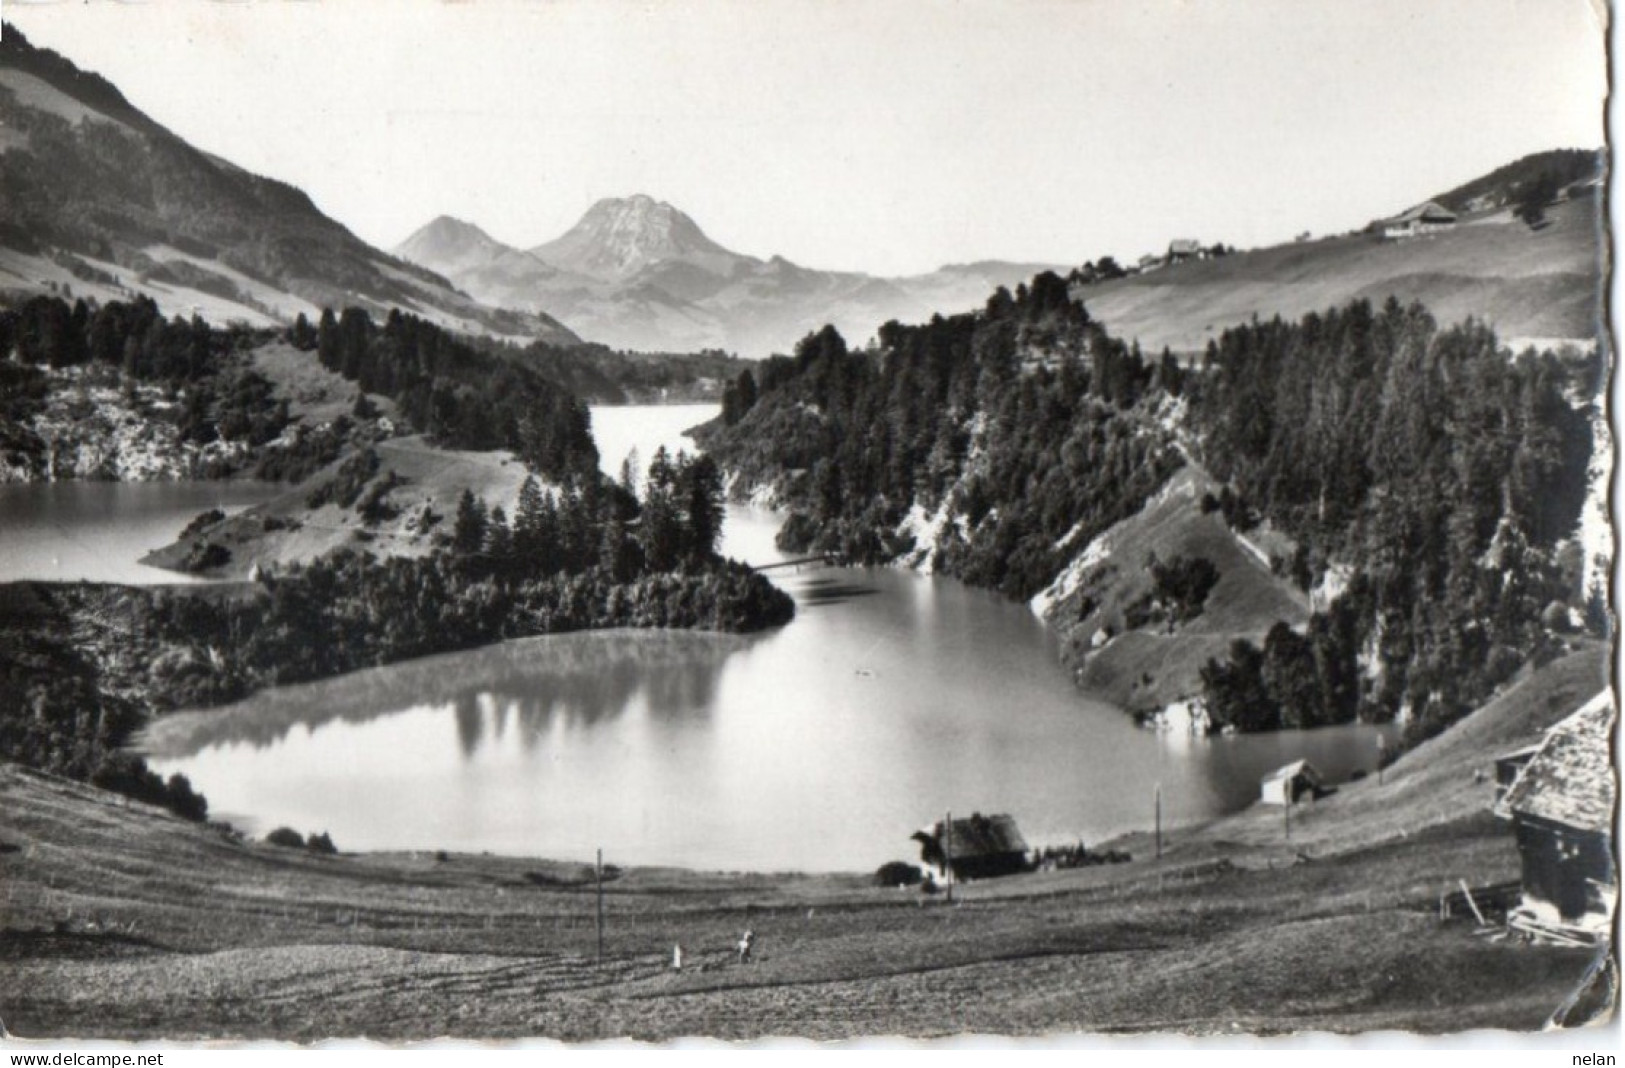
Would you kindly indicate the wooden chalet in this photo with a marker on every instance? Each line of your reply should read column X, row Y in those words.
column 1426, row 218
column 979, row 847
column 1285, row 786
column 1562, row 807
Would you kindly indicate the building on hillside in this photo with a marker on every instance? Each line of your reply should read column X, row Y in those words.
column 979, row 847
column 1429, row 218
column 1149, row 263
column 1181, row 250
column 1285, row 786
column 1562, row 810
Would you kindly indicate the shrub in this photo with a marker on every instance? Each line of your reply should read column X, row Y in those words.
column 286, row 837
column 897, row 873
column 205, row 556
column 184, row 801
column 202, row 522
column 1183, row 584
column 129, row 775
column 321, row 843
column 347, row 482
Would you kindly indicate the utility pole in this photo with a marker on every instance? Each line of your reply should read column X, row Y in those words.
column 600, row 872
column 1286, row 811
column 1159, row 820
column 948, row 852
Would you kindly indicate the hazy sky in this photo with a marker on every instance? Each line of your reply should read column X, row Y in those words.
column 881, row 135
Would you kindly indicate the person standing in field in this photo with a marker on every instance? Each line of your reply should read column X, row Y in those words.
column 747, row 940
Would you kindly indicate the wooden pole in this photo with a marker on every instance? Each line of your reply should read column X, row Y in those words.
column 1479, row 916
column 600, row 872
column 1159, row 820
column 948, row 852
column 1286, row 810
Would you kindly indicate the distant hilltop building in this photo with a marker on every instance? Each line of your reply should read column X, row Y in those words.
column 1181, row 250
column 1427, row 218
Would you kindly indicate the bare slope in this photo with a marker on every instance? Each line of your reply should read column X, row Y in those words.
column 124, row 922
column 1527, row 284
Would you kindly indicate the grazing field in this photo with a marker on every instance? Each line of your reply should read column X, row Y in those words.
column 1543, row 284
column 122, row 922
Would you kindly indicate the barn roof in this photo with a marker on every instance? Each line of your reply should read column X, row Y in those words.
column 1432, row 211
column 1570, row 779
column 981, row 836
column 1292, row 771
column 1183, row 247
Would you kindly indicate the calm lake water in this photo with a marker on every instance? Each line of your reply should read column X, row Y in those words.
column 820, row 746
column 66, row 531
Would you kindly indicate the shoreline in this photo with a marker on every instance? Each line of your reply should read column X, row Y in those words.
column 1227, row 929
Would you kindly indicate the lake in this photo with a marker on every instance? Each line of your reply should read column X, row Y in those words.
column 891, row 699
column 66, row 531
column 822, row 745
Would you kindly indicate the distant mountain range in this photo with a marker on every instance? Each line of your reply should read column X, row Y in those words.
column 637, row 273
column 100, row 200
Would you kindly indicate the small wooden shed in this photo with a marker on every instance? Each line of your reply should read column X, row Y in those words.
column 979, row 847
column 1285, row 786
column 1562, row 808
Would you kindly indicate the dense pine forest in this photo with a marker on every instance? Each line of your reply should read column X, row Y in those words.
column 1442, row 475
column 1430, row 480
column 1025, row 423
column 457, row 394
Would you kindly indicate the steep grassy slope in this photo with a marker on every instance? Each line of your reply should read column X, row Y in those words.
column 1446, row 778
column 1527, row 284
column 1091, row 604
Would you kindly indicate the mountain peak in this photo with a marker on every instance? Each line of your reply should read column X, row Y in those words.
column 621, row 236
column 449, row 243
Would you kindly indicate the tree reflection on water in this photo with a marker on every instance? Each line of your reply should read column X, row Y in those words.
column 573, row 680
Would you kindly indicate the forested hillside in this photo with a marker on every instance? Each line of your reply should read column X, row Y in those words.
column 1001, row 433
column 457, row 394
column 1424, row 483
column 1440, row 475
column 1536, row 177
column 196, row 378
